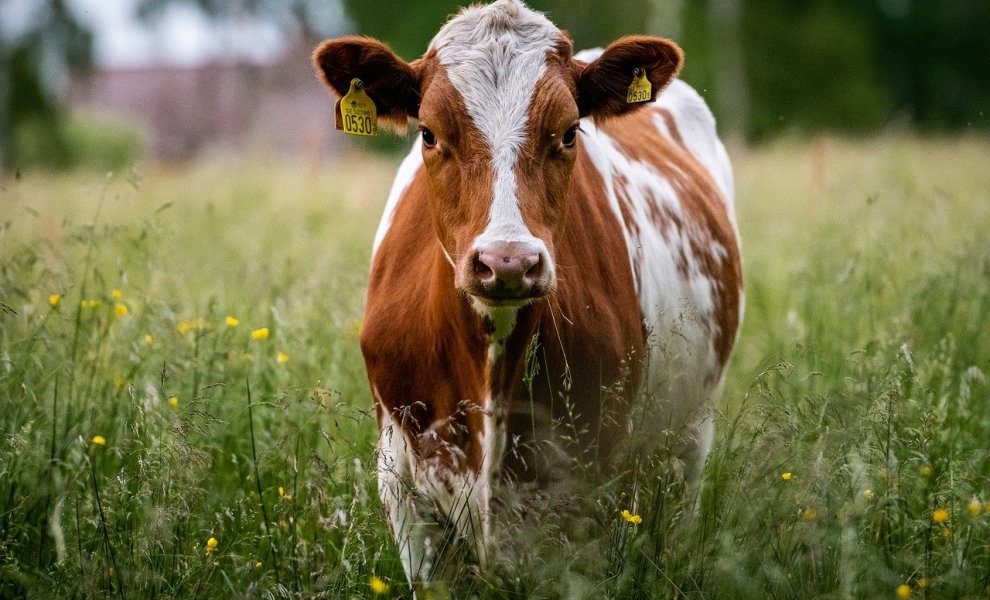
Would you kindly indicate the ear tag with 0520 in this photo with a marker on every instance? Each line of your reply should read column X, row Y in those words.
column 355, row 113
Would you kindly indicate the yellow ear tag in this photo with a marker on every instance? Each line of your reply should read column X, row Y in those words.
column 355, row 113
column 640, row 89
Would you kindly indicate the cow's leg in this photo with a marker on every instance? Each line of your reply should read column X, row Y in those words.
column 396, row 491
column 695, row 446
column 438, row 514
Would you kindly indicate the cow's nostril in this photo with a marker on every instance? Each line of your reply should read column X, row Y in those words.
column 535, row 270
column 482, row 271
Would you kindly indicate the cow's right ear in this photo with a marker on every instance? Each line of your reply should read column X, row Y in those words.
column 603, row 85
column 391, row 83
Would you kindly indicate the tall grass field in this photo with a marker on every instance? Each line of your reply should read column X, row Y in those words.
column 184, row 411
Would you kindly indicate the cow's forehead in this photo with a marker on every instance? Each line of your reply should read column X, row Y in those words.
column 506, row 23
column 494, row 55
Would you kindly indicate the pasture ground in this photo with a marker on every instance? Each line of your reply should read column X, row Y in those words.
column 141, row 312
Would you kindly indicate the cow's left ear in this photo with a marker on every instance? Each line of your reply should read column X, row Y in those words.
column 603, row 84
column 390, row 82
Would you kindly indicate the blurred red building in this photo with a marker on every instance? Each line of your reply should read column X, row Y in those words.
column 185, row 111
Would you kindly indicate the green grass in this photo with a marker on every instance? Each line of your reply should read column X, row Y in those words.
column 861, row 366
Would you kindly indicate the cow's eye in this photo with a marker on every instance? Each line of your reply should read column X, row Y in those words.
column 570, row 137
column 429, row 140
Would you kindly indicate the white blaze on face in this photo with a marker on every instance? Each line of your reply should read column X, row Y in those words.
column 494, row 56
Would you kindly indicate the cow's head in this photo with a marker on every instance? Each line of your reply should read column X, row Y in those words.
column 499, row 100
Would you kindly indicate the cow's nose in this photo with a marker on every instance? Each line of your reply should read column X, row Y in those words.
column 509, row 271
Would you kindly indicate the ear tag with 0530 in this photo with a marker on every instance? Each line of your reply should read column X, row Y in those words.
column 640, row 89
column 355, row 113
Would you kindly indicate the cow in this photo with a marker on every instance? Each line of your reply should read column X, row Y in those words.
column 548, row 245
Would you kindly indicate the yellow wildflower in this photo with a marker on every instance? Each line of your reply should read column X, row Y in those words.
column 922, row 583
column 809, row 513
column 260, row 334
column 975, row 507
column 378, row 587
column 173, row 401
column 148, row 339
column 283, row 495
column 868, row 494
column 211, row 545
column 940, row 515
column 99, row 440
column 120, row 310
column 231, row 321
column 631, row 518
column 183, row 327
column 54, row 299
column 786, row 475
column 257, row 565
column 115, row 294
column 925, row 471
column 282, row 357
column 904, row 591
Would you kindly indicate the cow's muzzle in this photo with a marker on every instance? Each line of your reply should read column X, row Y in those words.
column 506, row 273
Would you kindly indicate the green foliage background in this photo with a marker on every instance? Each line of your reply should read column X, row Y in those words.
column 805, row 66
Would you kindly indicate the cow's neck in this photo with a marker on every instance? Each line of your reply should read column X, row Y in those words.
column 505, row 332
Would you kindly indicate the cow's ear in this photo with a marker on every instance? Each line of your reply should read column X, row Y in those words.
column 391, row 83
column 603, row 84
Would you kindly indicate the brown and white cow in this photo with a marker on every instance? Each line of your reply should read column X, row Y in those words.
column 536, row 202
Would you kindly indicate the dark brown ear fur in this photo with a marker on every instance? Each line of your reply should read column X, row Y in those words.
column 602, row 84
column 391, row 83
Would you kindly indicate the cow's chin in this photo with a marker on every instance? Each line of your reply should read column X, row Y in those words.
column 488, row 300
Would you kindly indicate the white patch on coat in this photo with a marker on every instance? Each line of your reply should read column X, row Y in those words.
column 678, row 307
column 403, row 179
column 696, row 125
column 503, row 319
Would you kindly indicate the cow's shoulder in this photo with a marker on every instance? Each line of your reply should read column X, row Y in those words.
column 686, row 116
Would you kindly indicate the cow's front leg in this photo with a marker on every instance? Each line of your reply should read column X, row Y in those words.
column 437, row 507
column 410, row 529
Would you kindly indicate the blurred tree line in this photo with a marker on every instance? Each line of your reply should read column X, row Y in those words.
column 765, row 66
column 772, row 66
column 46, row 40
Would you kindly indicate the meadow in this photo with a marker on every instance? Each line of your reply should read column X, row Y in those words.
column 184, row 412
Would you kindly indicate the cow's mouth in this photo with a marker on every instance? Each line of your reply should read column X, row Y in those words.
column 506, row 299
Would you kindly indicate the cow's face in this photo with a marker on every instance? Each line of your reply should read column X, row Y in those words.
column 499, row 101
